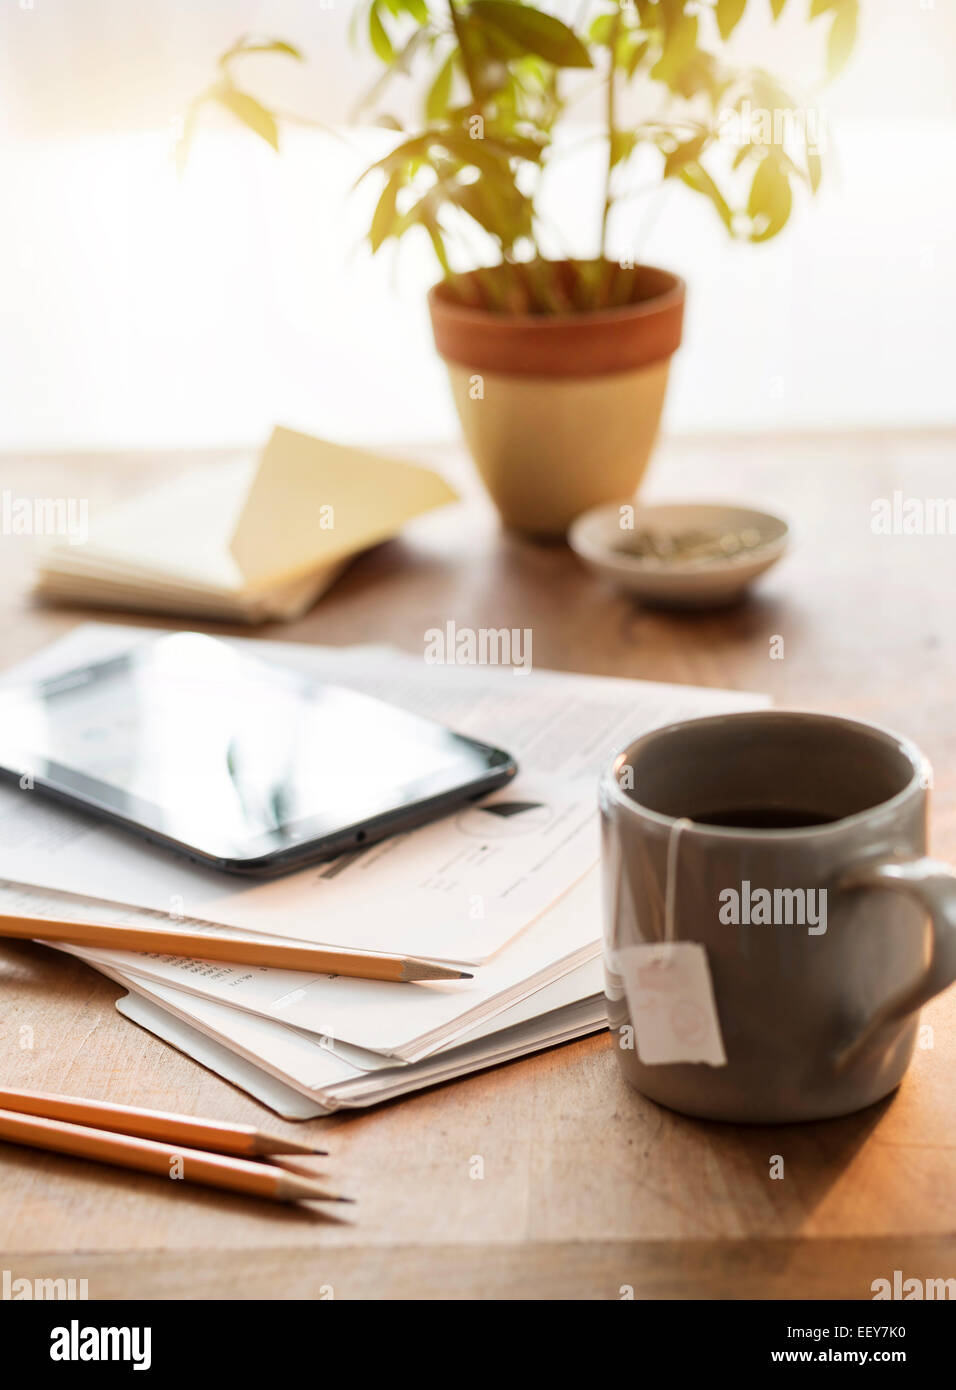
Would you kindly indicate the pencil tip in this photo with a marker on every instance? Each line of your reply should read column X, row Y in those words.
column 421, row 970
column 267, row 1144
column 294, row 1187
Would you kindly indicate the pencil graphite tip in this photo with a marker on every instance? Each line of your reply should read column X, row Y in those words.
column 307, row 1190
column 422, row 970
column 294, row 1188
column 266, row 1144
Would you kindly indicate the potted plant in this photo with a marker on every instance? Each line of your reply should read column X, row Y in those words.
column 559, row 365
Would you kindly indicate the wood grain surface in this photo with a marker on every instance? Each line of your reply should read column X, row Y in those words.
column 589, row 1191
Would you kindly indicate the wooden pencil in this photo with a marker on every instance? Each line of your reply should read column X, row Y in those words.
column 216, row 1136
column 235, row 949
column 168, row 1161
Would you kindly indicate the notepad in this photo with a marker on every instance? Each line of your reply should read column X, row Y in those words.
column 248, row 540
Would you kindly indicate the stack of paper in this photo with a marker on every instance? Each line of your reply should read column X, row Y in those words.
column 515, row 896
column 256, row 539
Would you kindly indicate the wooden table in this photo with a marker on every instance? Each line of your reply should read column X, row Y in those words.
column 588, row 1188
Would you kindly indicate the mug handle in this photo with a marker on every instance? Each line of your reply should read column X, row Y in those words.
column 932, row 884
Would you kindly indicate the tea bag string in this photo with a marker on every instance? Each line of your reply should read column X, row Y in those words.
column 670, row 882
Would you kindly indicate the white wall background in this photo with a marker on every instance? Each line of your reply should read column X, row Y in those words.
column 137, row 309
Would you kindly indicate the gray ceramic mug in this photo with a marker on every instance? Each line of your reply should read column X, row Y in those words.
column 818, row 1012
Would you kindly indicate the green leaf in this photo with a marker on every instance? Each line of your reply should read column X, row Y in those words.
column 408, row 150
column 842, row 37
column 729, row 15
column 430, row 222
column 603, row 28
column 501, row 210
column 686, row 153
column 244, row 46
column 439, row 94
column 697, row 178
column 777, row 7
column 416, row 8
column 490, row 155
column 622, row 145
column 770, row 199
column 766, row 91
column 533, row 31
column 699, row 74
column 384, row 218
column 184, row 143
column 516, row 146
column 251, row 112
column 679, row 47
column 274, row 46
column 380, row 41
column 635, row 54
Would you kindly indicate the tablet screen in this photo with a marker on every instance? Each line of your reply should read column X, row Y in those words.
column 230, row 756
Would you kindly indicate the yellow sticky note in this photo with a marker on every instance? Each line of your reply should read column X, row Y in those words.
column 312, row 502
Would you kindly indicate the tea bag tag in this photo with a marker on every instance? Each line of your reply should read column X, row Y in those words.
column 670, row 993
column 670, row 996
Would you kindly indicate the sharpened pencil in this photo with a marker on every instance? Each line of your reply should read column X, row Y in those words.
column 168, row 1161
column 237, row 950
column 217, row 1136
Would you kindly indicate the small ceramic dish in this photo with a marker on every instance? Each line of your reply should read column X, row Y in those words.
column 680, row 554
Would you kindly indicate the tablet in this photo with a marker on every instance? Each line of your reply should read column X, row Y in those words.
column 243, row 765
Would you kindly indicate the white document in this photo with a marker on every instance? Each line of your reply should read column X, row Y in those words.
column 297, row 1061
column 457, row 890
column 550, row 1030
column 283, row 1099
column 404, row 1021
column 305, row 1061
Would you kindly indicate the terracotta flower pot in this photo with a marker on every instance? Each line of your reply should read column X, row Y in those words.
column 561, row 411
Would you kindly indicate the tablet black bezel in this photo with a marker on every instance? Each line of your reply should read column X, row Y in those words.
column 481, row 769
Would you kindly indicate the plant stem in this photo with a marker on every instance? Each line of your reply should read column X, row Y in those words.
column 470, row 75
column 611, row 112
column 606, row 271
column 516, row 273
